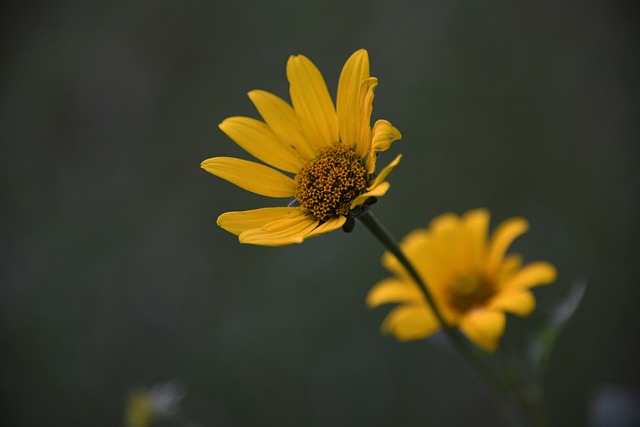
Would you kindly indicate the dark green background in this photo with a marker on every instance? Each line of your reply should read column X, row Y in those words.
column 114, row 274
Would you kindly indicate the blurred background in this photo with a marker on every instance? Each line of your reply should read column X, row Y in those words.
column 114, row 274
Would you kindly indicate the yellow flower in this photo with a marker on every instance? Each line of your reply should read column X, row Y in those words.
column 471, row 279
column 326, row 155
column 139, row 409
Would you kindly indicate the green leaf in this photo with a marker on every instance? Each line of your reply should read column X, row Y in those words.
column 541, row 344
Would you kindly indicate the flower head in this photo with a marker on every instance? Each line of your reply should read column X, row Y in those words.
column 323, row 157
column 471, row 279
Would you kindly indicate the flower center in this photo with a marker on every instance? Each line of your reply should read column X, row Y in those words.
column 469, row 291
column 328, row 184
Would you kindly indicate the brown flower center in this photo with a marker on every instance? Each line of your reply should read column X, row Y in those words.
column 328, row 184
column 469, row 291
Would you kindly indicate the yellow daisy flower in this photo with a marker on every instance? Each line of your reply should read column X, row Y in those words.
column 326, row 155
column 471, row 279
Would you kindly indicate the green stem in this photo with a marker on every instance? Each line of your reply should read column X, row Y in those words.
column 503, row 399
column 529, row 392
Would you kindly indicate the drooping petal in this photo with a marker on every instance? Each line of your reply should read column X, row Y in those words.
column 392, row 290
column 502, row 238
column 354, row 72
column 378, row 191
column 260, row 141
column 281, row 232
column 251, row 176
column 410, row 323
column 532, row 274
column 328, row 226
column 239, row 221
column 519, row 303
column 312, row 102
column 484, row 328
column 283, row 121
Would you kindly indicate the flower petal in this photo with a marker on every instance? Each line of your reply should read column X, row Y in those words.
column 476, row 223
column 328, row 226
column 502, row 238
column 349, row 108
column 519, row 303
column 251, row 176
column 237, row 222
column 365, row 103
column 312, row 102
column 384, row 173
column 378, row 191
column 392, row 290
column 382, row 137
column 410, row 323
column 532, row 274
column 384, row 133
column 281, row 232
column 484, row 328
column 450, row 242
column 283, row 121
column 260, row 141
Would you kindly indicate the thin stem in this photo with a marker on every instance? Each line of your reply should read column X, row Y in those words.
column 529, row 392
column 504, row 400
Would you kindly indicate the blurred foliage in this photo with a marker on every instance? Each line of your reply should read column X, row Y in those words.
column 114, row 274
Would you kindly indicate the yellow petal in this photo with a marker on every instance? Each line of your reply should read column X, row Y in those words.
column 237, row 222
column 392, row 290
column 312, row 102
column 365, row 102
column 260, row 141
column 281, row 232
column 251, row 176
column 328, row 226
column 384, row 133
column 411, row 245
column 451, row 241
column 382, row 136
column 283, row 121
column 384, row 173
column 410, row 323
column 519, row 303
column 532, row 274
column 502, row 238
column 354, row 72
column 484, row 328
column 476, row 223
column 378, row 191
